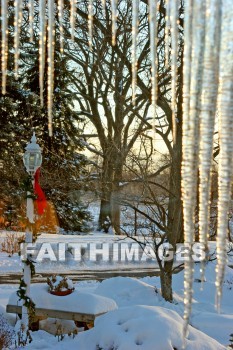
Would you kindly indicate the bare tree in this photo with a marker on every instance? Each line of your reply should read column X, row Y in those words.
column 102, row 85
column 102, row 88
column 151, row 200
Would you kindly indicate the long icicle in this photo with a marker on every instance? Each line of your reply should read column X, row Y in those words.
column 225, row 111
column 42, row 39
column 72, row 17
column 174, row 60
column 135, row 20
column 185, row 150
column 4, row 48
column 153, row 52
column 167, row 29
column 31, row 18
column 50, row 63
column 191, row 143
column 186, row 88
column 90, row 23
column 17, row 27
column 114, row 21
column 207, row 120
column 103, row 4
column 60, row 18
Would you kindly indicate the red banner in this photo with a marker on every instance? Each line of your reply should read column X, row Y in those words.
column 40, row 200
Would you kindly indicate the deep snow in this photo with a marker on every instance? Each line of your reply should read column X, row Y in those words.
column 143, row 319
column 150, row 323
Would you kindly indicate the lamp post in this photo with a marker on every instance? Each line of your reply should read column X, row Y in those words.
column 32, row 161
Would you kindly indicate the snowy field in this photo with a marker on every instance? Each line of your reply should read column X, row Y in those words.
column 142, row 320
column 87, row 262
column 14, row 264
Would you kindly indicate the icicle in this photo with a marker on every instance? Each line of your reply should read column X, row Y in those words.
column 60, row 17
column 114, row 21
column 103, row 4
column 187, row 79
column 153, row 53
column 72, row 17
column 135, row 5
column 167, row 29
column 17, row 26
column 4, row 51
column 191, row 138
column 225, row 109
column 174, row 59
column 207, row 118
column 186, row 96
column 90, row 22
column 31, row 18
column 50, row 62
column 42, row 40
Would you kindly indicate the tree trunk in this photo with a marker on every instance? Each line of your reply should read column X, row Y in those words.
column 115, row 211
column 174, row 225
column 115, row 197
column 105, row 212
column 166, row 281
column 106, row 191
column 175, row 219
column 111, row 177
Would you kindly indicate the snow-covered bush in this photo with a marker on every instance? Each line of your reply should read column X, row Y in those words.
column 11, row 243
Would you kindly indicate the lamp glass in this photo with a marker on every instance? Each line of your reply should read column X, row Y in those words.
column 32, row 160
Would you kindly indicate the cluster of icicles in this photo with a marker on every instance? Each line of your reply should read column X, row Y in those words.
column 207, row 88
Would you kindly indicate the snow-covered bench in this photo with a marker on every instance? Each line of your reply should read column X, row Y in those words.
column 81, row 307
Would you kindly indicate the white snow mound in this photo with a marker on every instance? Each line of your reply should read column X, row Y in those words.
column 128, row 291
column 142, row 327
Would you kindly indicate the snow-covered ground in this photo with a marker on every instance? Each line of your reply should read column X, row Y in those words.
column 143, row 319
